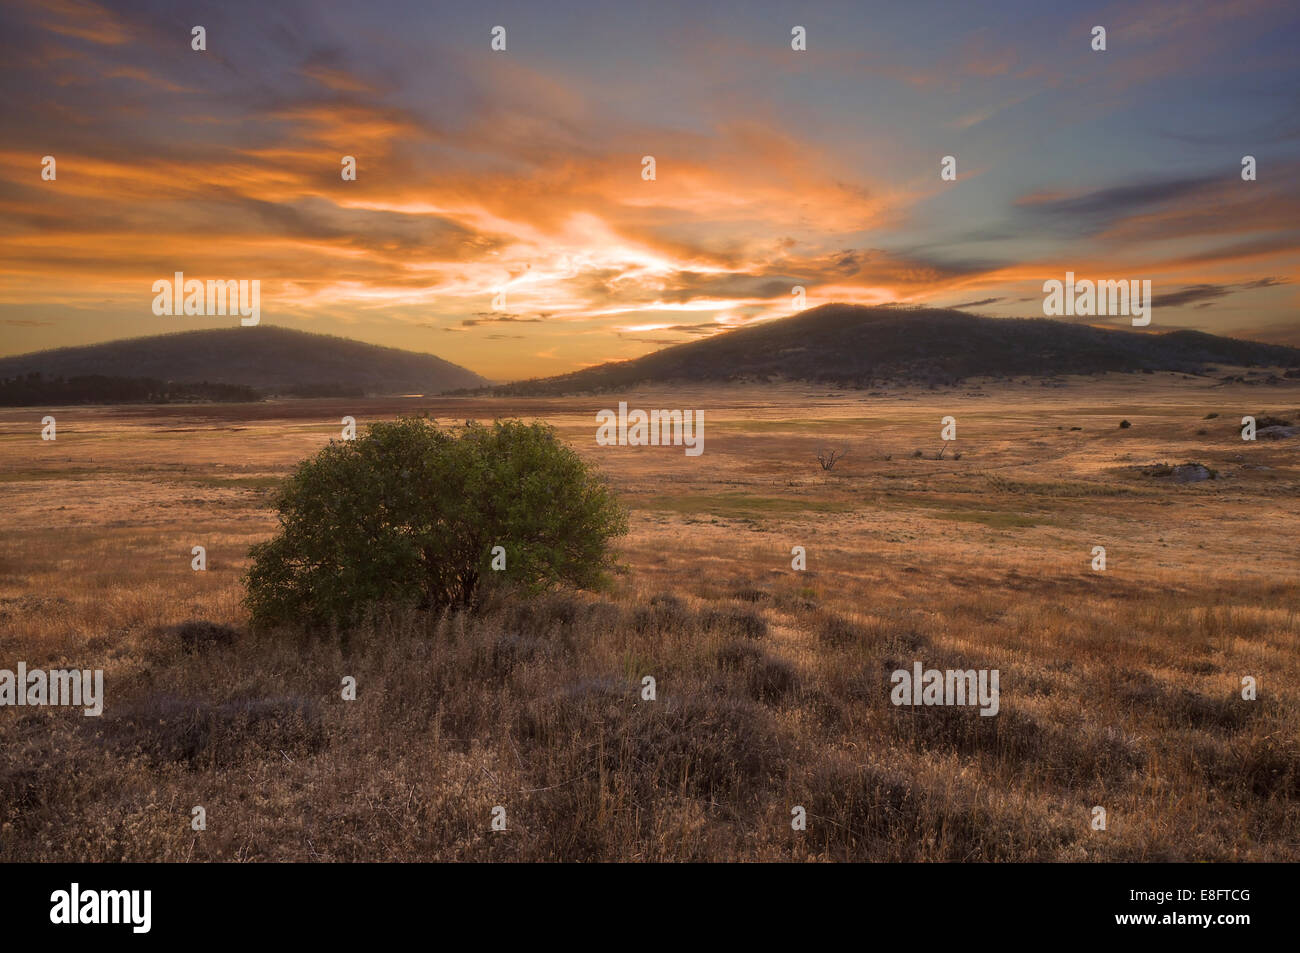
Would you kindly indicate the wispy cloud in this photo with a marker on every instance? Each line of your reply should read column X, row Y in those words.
column 481, row 174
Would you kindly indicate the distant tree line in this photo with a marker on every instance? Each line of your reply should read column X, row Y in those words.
column 320, row 390
column 35, row 389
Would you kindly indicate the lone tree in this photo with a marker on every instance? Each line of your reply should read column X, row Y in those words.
column 412, row 513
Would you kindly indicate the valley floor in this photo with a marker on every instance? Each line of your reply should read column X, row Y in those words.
column 1120, row 689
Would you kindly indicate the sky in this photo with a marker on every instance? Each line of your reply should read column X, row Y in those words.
column 500, row 217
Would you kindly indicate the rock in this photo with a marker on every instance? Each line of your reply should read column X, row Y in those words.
column 1192, row 473
column 1182, row 473
column 1277, row 432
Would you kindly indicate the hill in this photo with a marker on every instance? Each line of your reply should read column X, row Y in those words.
column 857, row 346
column 270, row 360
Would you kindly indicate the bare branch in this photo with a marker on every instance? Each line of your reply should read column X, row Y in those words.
column 828, row 458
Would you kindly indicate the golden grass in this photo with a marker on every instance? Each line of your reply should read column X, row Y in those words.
column 1119, row 689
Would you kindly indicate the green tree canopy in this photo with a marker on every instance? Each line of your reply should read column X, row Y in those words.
column 411, row 513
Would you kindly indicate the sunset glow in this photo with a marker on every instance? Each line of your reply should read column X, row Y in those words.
column 521, row 173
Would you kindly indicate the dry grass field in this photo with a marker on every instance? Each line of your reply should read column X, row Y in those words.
column 1119, row 689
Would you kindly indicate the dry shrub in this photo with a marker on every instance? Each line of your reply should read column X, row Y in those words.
column 199, row 635
column 766, row 678
column 197, row 733
column 734, row 620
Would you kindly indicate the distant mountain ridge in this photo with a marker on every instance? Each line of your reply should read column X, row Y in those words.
column 269, row 359
column 857, row 346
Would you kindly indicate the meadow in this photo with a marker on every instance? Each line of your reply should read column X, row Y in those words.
column 1120, row 689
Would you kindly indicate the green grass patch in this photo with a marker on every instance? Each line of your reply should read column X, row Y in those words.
column 1057, row 488
column 948, row 508
column 144, row 474
column 992, row 519
column 249, row 482
column 820, row 425
column 38, row 476
column 741, row 505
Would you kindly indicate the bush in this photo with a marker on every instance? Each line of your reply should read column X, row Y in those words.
column 409, row 513
column 196, row 635
column 743, row 622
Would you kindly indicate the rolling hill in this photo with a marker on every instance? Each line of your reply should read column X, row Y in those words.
column 858, row 346
column 268, row 359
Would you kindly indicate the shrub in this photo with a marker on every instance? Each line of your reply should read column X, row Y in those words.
column 737, row 621
column 766, row 678
column 196, row 635
column 833, row 629
column 409, row 513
